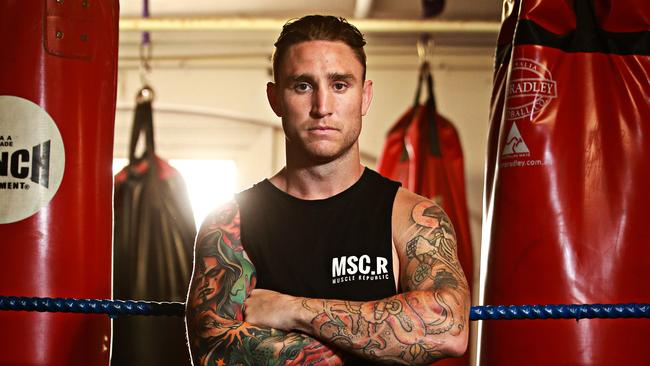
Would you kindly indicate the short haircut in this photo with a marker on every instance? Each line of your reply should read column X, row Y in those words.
column 318, row 28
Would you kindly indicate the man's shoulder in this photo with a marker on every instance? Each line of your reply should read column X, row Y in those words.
column 378, row 176
column 409, row 208
column 253, row 195
column 251, row 190
column 405, row 199
column 224, row 215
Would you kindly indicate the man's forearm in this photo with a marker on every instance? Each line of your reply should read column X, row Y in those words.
column 232, row 342
column 416, row 327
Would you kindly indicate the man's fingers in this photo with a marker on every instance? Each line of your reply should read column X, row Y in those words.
column 268, row 308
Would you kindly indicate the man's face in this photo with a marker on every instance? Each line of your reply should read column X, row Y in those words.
column 321, row 96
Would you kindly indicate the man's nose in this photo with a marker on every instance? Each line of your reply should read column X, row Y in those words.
column 322, row 103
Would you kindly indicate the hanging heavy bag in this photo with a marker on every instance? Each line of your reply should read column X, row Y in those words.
column 436, row 171
column 566, row 217
column 154, row 235
column 423, row 152
column 393, row 162
column 58, row 69
column 436, row 168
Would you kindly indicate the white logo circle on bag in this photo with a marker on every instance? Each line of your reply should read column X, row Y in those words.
column 32, row 158
column 530, row 90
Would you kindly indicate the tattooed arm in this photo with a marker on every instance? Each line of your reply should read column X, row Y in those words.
column 223, row 277
column 426, row 322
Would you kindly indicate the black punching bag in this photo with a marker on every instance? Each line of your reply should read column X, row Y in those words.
column 154, row 235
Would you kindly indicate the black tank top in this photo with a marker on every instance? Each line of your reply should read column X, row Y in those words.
column 335, row 248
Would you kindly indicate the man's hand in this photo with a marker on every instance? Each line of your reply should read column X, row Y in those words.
column 266, row 308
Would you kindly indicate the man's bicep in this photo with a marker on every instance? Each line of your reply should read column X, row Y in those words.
column 428, row 250
column 221, row 280
column 222, row 275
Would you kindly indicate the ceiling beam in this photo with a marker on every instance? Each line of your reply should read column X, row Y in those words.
column 274, row 25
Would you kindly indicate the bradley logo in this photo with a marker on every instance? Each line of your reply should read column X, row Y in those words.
column 530, row 90
column 22, row 163
column 515, row 144
column 353, row 268
column 515, row 152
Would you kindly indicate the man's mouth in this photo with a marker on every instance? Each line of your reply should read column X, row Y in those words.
column 322, row 128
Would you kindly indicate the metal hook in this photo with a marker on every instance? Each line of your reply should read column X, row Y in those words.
column 145, row 62
column 424, row 48
column 145, row 94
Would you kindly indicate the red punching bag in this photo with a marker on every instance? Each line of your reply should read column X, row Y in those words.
column 424, row 153
column 567, row 180
column 57, row 104
column 393, row 162
column 437, row 171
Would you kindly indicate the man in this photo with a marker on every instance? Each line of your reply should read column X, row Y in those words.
column 334, row 263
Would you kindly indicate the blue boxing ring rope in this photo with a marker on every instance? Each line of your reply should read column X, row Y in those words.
column 115, row 308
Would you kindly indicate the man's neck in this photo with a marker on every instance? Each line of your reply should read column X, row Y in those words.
column 319, row 181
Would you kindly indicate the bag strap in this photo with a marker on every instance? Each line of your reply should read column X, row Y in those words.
column 430, row 107
column 142, row 124
column 587, row 33
column 424, row 69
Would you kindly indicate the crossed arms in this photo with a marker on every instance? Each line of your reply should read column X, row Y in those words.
column 426, row 322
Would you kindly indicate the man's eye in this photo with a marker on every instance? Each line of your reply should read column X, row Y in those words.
column 340, row 86
column 301, row 87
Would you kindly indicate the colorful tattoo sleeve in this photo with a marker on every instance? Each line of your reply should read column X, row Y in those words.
column 426, row 322
column 222, row 279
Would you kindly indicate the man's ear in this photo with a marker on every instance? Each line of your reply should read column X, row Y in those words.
column 366, row 97
column 273, row 97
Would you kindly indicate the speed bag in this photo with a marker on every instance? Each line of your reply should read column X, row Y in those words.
column 567, row 182
column 58, row 69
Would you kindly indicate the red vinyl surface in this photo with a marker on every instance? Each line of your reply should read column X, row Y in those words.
column 64, row 249
column 567, row 193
